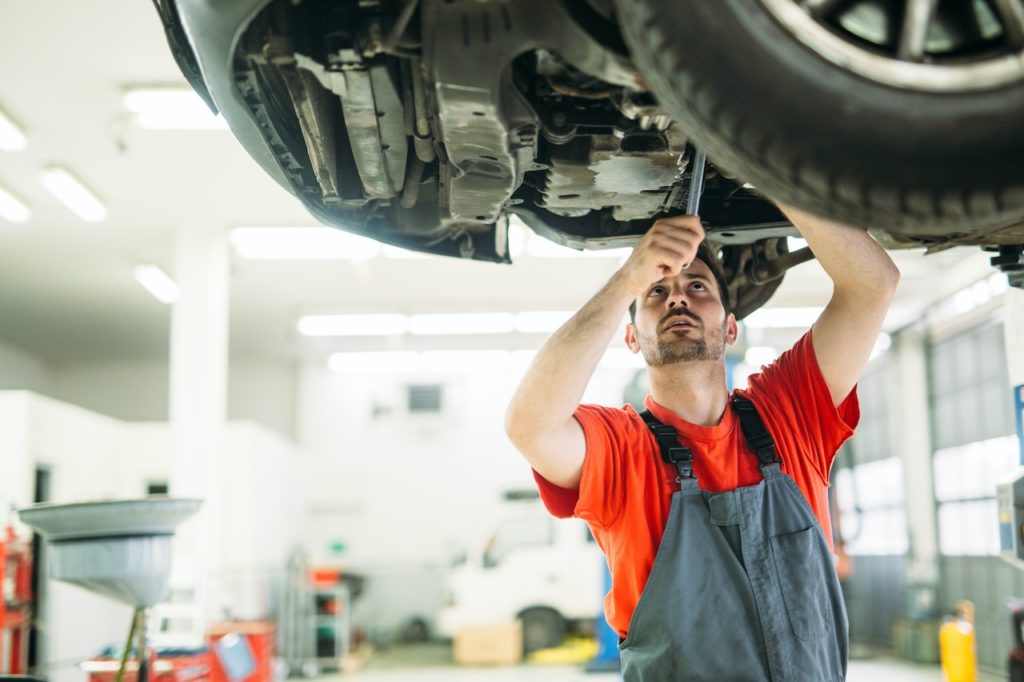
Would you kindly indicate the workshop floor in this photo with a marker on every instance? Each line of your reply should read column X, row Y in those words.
column 432, row 663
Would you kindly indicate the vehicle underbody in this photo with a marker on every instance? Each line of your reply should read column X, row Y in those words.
column 427, row 124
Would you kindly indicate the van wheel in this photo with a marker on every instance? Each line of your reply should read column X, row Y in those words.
column 542, row 629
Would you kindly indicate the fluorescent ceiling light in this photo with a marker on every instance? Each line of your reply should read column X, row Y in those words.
column 171, row 109
column 464, row 360
column 13, row 209
column 462, row 323
column 782, row 318
column 12, row 137
column 352, row 325
column 428, row 361
column 157, row 283
column 73, row 194
column 542, row 321
column 382, row 361
column 397, row 362
column 297, row 243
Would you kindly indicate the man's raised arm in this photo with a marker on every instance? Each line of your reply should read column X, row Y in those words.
column 864, row 279
column 540, row 421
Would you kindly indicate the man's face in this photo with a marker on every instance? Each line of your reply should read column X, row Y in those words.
column 681, row 319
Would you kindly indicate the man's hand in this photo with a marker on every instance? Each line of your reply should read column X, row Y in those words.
column 668, row 248
column 540, row 421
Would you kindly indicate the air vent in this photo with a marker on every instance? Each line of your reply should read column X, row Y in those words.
column 425, row 398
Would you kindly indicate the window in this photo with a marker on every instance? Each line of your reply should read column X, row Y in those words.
column 868, row 479
column 972, row 428
column 965, row 489
column 870, row 499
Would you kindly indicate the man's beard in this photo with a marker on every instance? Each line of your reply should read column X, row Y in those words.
column 660, row 352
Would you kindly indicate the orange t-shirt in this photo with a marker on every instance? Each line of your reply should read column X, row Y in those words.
column 626, row 488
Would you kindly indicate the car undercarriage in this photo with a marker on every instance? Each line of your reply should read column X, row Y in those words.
column 427, row 124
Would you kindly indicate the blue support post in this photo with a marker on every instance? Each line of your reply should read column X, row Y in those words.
column 607, row 658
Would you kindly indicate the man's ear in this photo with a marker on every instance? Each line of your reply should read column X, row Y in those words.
column 631, row 341
column 732, row 330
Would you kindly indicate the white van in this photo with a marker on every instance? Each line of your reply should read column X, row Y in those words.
column 527, row 565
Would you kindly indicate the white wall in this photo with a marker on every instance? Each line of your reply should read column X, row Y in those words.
column 138, row 391
column 407, row 487
column 126, row 390
column 91, row 456
column 20, row 369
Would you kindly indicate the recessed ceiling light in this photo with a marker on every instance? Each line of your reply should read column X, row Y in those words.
column 12, row 137
column 12, row 208
column 73, row 194
column 171, row 108
column 157, row 283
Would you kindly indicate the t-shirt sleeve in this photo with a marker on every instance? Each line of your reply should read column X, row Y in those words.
column 602, row 486
column 793, row 394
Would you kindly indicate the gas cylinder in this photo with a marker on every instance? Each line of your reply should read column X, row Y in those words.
column 957, row 648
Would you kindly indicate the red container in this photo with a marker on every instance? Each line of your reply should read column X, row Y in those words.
column 259, row 634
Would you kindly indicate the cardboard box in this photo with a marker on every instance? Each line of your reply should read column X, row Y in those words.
column 500, row 644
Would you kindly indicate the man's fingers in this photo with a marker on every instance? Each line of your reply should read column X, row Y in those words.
column 681, row 222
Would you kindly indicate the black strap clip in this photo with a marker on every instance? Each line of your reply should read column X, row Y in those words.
column 672, row 451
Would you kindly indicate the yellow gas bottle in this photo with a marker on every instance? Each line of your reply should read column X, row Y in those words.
column 957, row 648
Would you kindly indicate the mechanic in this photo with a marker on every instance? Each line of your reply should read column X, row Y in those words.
column 711, row 508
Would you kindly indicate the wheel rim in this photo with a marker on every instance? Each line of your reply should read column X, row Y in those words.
column 927, row 45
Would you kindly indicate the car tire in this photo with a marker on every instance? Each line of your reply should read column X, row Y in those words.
column 543, row 628
column 800, row 128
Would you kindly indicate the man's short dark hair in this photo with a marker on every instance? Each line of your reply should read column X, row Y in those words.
column 709, row 259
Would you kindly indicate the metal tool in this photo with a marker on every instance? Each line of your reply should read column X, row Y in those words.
column 700, row 161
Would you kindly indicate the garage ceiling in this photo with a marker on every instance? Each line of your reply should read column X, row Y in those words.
column 66, row 287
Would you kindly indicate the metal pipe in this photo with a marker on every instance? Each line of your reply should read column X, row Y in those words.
column 398, row 30
column 127, row 646
column 411, row 190
column 764, row 272
column 422, row 139
column 143, row 651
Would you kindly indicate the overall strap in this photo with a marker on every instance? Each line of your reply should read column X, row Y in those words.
column 758, row 438
column 672, row 451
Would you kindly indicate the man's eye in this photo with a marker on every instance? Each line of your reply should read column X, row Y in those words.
column 699, row 286
column 657, row 291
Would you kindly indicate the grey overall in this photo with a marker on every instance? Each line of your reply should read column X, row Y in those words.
column 743, row 586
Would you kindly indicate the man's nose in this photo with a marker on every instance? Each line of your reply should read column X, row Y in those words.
column 678, row 301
